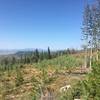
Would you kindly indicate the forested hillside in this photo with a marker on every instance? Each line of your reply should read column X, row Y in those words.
column 70, row 74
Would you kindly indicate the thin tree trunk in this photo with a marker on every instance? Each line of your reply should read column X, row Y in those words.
column 86, row 52
column 85, row 62
column 91, row 57
column 97, row 56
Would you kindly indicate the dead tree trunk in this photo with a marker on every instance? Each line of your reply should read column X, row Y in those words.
column 91, row 54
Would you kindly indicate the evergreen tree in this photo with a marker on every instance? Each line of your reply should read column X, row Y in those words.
column 49, row 53
column 36, row 55
column 41, row 55
column 13, row 60
column 91, row 86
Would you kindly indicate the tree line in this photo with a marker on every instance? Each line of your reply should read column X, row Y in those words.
column 30, row 57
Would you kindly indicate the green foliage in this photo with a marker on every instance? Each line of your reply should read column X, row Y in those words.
column 46, row 79
column 89, row 88
column 19, row 78
column 36, row 83
column 30, row 57
column 74, row 92
column 41, row 83
column 66, row 95
column 94, row 81
column 49, row 53
column 61, row 62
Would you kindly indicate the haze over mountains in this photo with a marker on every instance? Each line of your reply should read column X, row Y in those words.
column 13, row 51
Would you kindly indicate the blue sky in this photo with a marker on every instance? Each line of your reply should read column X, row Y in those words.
column 40, row 23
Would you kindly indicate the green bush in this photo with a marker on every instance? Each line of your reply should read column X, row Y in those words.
column 90, row 87
column 61, row 62
column 19, row 78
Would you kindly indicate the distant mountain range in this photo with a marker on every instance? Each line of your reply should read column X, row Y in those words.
column 15, row 51
column 7, row 52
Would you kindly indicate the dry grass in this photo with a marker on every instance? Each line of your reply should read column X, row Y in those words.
column 28, row 71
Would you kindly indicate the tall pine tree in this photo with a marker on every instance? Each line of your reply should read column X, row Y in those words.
column 49, row 53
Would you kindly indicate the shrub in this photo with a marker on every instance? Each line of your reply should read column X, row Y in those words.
column 19, row 78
